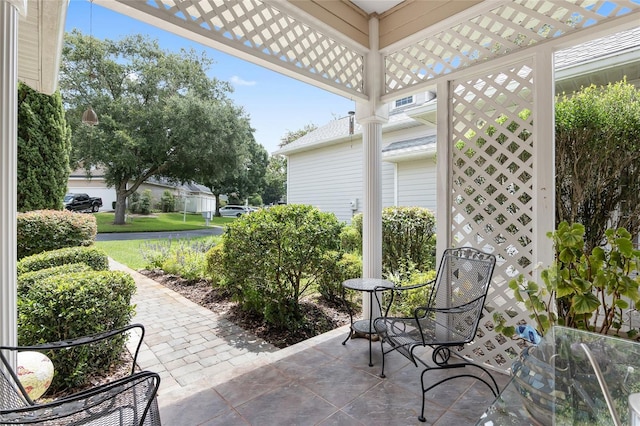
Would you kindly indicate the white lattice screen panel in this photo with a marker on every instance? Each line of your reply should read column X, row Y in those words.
column 504, row 27
column 492, row 188
column 262, row 30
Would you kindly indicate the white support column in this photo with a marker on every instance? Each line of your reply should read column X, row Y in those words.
column 372, row 115
column 544, row 190
column 443, row 168
column 9, row 10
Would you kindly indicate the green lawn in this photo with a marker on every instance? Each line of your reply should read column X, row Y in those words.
column 126, row 252
column 157, row 222
column 129, row 252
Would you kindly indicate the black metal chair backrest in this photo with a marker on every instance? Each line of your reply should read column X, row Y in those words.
column 462, row 283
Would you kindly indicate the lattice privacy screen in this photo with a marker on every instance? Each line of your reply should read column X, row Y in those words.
column 506, row 26
column 262, row 30
column 492, row 189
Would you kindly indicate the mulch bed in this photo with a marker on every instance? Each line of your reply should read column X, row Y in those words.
column 321, row 316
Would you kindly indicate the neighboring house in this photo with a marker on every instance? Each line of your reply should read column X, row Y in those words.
column 325, row 166
column 191, row 197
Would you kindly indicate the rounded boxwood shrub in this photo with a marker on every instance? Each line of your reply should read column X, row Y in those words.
column 44, row 230
column 72, row 305
column 26, row 280
column 92, row 256
column 272, row 256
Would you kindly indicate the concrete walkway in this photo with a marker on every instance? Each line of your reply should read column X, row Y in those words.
column 186, row 343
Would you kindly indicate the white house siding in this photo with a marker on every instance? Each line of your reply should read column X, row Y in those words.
column 417, row 183
column 388, row 184
column 328, row 178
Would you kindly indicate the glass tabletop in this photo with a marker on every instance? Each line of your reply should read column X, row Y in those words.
column 572, row 377
column 367, row 284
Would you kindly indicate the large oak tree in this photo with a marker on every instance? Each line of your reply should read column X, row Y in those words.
column 159, row 112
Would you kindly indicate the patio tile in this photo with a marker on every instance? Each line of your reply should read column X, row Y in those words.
column 340, row 418
column 290, row 404
column 339, row 383
column 252, row 384
column 387, row 404
column 196, row 409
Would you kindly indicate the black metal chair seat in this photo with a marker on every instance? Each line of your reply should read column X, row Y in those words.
column 130, row 400
column 449, row 319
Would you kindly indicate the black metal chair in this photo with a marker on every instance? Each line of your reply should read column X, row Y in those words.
column 450, row 318
column 130, row 400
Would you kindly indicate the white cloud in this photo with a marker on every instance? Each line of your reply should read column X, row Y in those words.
column 237, row 81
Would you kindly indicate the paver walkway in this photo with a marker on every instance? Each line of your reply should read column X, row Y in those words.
column 185, row 342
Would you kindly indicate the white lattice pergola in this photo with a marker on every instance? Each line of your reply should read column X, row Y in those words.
column 493, row 59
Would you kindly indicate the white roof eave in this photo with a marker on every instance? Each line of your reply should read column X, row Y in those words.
column 40, row 40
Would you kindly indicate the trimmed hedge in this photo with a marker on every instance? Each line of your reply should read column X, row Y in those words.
column 72, row 305
column 43, row 230
column 26, row 280
column 94, row 257
column 408, row 238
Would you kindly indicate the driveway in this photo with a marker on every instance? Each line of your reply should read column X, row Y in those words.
column 214, row 230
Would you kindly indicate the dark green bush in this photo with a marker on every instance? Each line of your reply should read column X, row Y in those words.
column 351, row 240
column 214, row 264
column 273, row 255
column 72, row 305
column 94, row 257
column 336, row 268
column 408, row 238
column 26, row 280
column 167, row 202
column 44, row 230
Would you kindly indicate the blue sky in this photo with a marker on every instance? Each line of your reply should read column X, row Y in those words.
column 275, row 103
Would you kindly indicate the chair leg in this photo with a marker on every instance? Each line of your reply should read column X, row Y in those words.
column 348, row 335
column 494, row 389
column 382, row 350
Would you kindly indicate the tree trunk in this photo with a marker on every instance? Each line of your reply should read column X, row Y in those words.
column 121, row 205
column 217, row 196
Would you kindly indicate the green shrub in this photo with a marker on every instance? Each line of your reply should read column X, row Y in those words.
column 185, row 262
column 92, row 256
column 406, row 301
column 408, row 237
column 133, row 202
column 145, row 202
column 26, row 280
column 72, row 305
column 351, row 240
column 273, row 256
column 214, row 264
column 181, row 257
column 44, row 230
column 167, row 202
column 336, row 268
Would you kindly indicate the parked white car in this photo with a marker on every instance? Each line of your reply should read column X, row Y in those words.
column 233, row 211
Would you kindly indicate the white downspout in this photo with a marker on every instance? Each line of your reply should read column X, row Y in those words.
column 9, row 11
column 372, row 115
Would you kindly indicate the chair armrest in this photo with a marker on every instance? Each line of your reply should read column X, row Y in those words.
column 393, row 291
column 451, row 310
column 61, row 351
column 131, row 397
column 84, row 340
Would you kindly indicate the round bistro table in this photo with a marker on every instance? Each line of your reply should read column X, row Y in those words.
column 368, row 285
